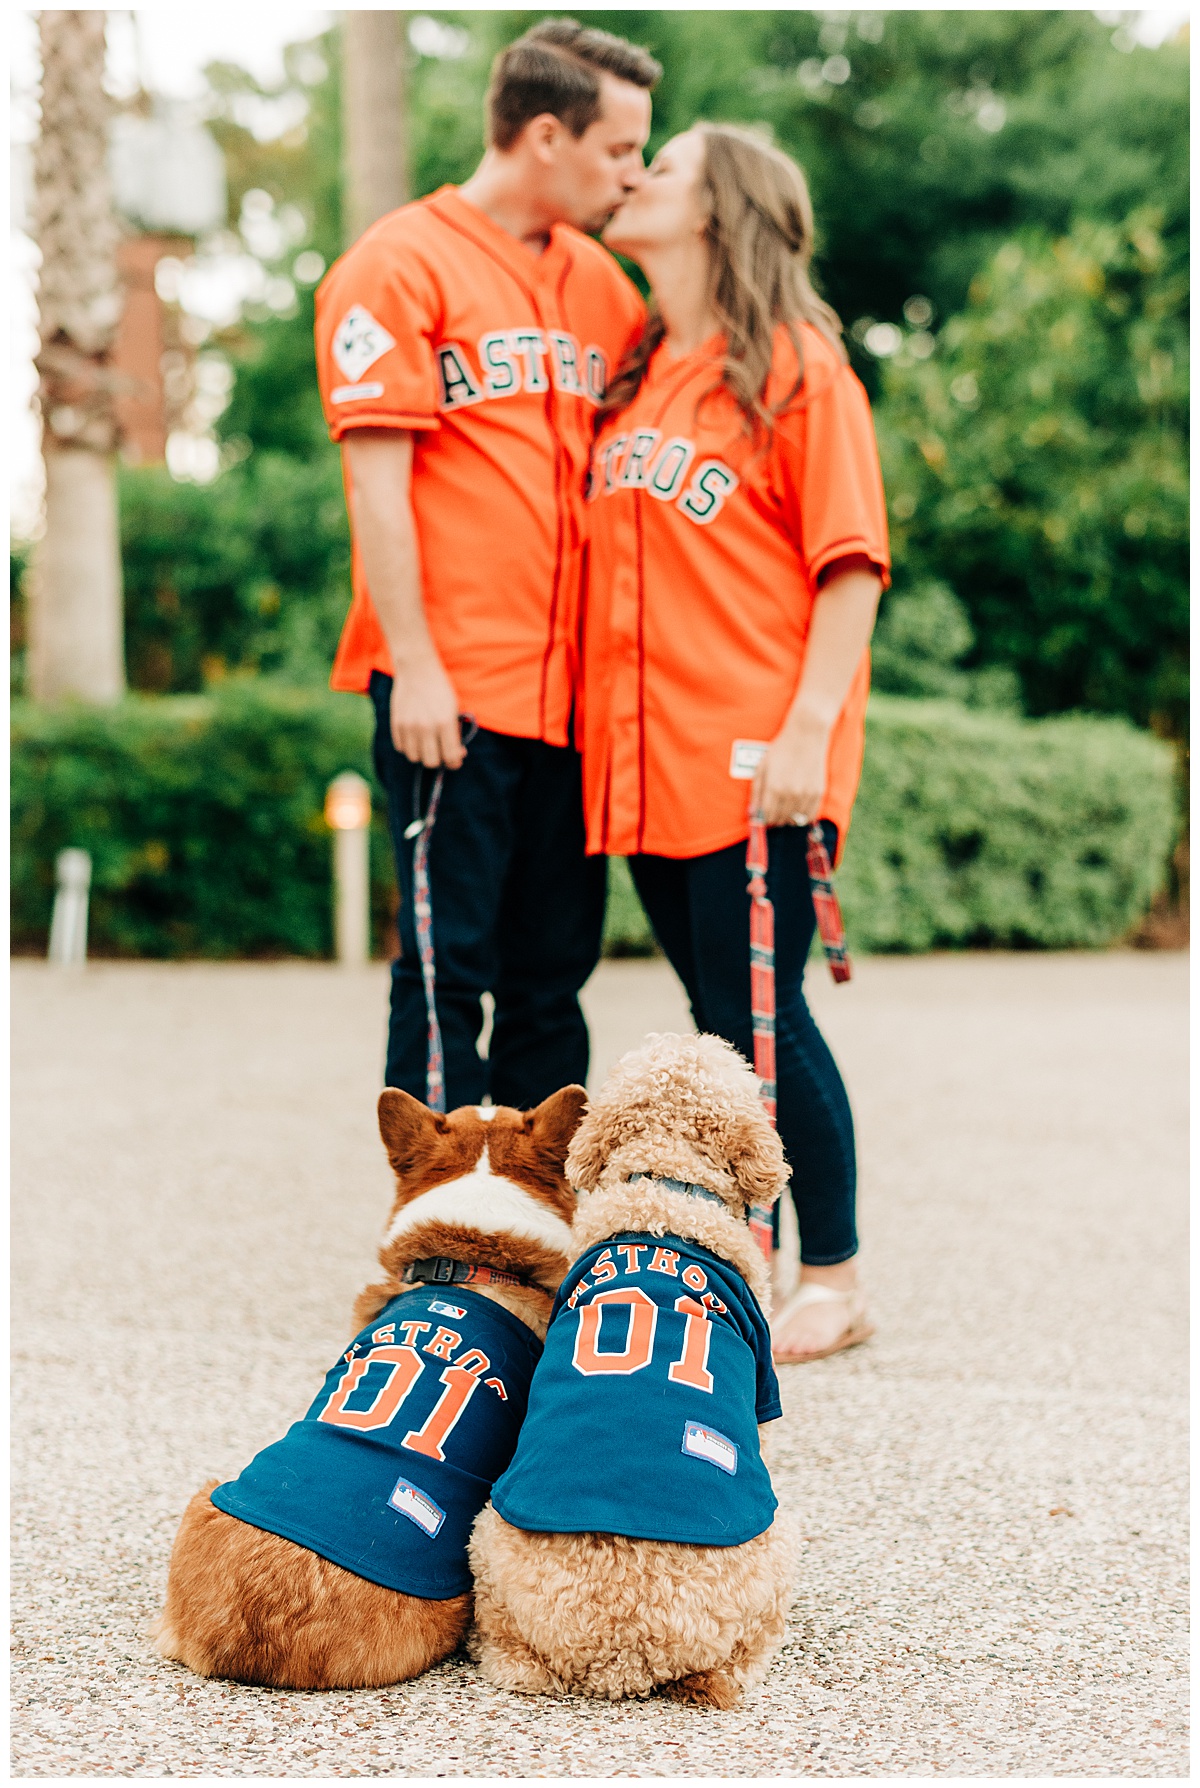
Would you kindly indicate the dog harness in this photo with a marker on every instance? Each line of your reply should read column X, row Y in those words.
column 387, row 1471
column 643, row 1416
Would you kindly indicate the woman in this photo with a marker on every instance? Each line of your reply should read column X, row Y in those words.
column 738, row 549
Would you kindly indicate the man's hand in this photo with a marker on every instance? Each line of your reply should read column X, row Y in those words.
column 424, row 703
column 789, row 784
column 425, row 715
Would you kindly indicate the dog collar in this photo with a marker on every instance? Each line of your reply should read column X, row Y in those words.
column 440, row 1270
column 670, row 1185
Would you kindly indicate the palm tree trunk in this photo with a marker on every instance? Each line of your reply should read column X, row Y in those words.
column 373, row 117
column 75, row 612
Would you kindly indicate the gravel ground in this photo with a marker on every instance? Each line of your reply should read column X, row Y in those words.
column 991, row 1492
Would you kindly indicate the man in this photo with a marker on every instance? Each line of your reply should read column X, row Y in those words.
column 463, row 344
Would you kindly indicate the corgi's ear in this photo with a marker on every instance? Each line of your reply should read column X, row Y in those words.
column 409, row 1129
column 553, row 1123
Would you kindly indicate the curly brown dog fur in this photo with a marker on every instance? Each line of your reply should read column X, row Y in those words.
column 256, row 1607
column 601, row 1614
column 598, row 1614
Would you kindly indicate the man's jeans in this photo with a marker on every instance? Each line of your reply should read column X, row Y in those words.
column 518, row 911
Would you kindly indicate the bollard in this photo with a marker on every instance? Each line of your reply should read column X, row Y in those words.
column 348, row 814
column 68, row 925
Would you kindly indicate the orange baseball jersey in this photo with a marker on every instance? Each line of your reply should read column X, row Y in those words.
column 440, row 322
column 704, row 556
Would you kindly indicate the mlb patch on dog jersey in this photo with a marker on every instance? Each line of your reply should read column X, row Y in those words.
column 745, row 757
column 359, row 341
column 706, row 1443
column 396, row 1431
column 419, row 1507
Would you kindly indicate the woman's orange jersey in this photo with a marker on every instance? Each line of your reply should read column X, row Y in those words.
column 705, row 551
column 440, row 322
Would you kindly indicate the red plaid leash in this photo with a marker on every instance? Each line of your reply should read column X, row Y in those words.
column 762, row 967
column 421, row 829
column 825, row 902
column 762, row 997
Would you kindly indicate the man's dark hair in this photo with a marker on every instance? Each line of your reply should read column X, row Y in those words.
column 556, row 67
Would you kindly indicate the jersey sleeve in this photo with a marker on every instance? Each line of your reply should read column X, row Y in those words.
column 376, row 314
column 767, row 1407
column 832, row 488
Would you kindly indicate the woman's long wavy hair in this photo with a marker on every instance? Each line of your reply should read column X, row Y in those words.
column 760, row 236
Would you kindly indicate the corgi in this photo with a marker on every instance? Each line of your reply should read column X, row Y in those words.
column 338, row 1558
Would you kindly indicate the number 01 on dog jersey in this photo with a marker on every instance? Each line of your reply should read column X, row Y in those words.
column 643, row 1416
column 393, row 1461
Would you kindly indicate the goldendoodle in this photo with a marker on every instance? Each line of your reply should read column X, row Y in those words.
column 633, row 1543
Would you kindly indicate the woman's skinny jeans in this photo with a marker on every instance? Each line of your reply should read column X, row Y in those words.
column 700, row 910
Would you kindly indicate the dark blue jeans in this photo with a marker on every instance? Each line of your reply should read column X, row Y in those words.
column 700, row 911
column 518, row 912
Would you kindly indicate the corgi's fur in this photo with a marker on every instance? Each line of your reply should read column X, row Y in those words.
column 483, row 1186
column 604, row 1614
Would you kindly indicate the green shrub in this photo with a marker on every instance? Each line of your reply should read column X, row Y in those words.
column 203, row 816
column 247, row 575
column 626, row 928
column 1036, row 461
column 975, row 828
column 921, row 637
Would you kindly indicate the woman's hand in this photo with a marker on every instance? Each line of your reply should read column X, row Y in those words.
column 789, row 784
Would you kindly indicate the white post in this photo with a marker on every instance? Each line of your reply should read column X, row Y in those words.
column 68, row 925
column 348, row 814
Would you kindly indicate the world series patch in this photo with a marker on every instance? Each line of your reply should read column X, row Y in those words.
column 358, row 342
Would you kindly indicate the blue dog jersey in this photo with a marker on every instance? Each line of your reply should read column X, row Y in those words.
column 643, row 1416
column 388, row 1470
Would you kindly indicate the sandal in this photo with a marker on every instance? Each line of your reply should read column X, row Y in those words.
column 858, row 1327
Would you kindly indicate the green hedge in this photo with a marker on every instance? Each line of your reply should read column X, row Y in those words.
column 978, row 828
column 203, row 815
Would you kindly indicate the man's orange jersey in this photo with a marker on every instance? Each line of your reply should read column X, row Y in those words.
column 703, row 565
column 440, row 322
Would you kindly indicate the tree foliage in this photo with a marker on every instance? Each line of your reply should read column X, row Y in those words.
column 928, row 137
column 248, row 575
column 1038, row 462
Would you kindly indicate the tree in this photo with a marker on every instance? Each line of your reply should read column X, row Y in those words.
column 1037, row 461
column 376, row 159
column 75, row 622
